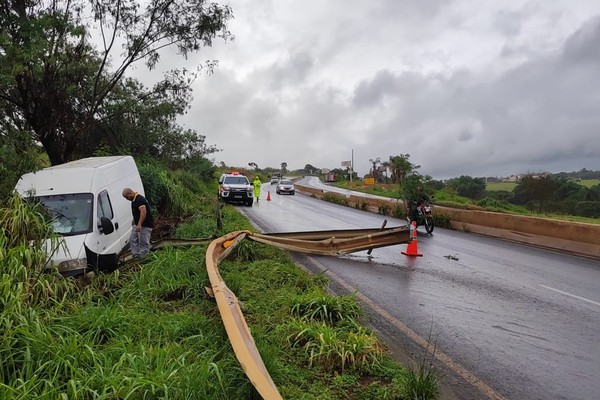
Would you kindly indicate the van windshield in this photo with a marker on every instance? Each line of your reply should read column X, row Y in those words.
column 70, row 214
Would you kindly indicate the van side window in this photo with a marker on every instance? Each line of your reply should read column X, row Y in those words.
column 104, row 206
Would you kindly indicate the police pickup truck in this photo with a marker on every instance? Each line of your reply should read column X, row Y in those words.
column 235, row 188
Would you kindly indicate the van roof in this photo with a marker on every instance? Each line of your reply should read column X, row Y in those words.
column 80, row 176
column 90, row 162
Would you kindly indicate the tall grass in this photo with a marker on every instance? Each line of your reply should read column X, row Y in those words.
column 422, row 380
column 23, row 258
column 173, row 193
column 325, row 308
column 421, row 383
column 149, row 330
column 136, row 334
column 331, row 349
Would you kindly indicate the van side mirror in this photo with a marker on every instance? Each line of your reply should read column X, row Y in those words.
column 106, row 226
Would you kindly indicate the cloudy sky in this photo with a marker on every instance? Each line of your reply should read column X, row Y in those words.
column 480, row 88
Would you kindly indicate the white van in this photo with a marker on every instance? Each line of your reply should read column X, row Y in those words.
column 84, row 199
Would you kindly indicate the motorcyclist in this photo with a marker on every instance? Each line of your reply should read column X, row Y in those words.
column 256, row 182
column 419, row 197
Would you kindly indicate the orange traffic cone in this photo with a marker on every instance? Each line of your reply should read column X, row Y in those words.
column 412, row 249
column 269, row 195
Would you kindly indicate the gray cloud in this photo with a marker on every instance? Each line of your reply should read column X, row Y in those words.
column 479, row 92
column 542, row 114
column 582, row 46
column 370, row 93
column 508, row 22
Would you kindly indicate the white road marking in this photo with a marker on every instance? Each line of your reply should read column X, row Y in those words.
column 571, row 295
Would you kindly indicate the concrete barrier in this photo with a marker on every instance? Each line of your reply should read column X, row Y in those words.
column 572, row 237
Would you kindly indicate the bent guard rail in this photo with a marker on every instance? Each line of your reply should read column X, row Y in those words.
column 335, row 242
column 316, row 242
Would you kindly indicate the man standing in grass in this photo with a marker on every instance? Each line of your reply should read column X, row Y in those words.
column 142, row 223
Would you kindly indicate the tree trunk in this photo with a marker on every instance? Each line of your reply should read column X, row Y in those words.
column 54, row 148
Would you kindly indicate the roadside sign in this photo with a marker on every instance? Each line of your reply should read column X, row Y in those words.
column 346, row 163
column 369, row 181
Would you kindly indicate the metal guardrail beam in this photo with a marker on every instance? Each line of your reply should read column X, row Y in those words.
column 233, row 319
column 316, row 242
column 335, row 242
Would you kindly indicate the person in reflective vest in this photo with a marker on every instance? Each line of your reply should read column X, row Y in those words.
column 256, row 182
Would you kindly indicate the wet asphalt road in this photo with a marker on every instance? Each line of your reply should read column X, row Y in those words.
column 511, row 321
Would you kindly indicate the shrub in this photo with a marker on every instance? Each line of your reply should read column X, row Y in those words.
column 399, row 211
column 494, row 204
column 383, row 209
column 335, row 198
column 362, row 205
column 442, row 220
column 588, row 209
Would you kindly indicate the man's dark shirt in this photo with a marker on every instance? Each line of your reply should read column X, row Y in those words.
column 137, row 202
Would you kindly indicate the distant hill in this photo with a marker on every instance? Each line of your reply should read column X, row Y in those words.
column 582, row 174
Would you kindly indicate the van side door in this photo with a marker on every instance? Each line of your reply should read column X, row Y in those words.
column 107, row 243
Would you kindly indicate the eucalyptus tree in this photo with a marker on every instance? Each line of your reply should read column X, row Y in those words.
column 58, row 80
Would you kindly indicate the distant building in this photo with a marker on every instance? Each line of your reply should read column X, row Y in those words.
column 518, row 177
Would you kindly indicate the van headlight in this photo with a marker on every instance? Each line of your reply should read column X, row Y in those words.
column 72, row 265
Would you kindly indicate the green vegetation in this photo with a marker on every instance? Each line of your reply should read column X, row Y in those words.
column 383, row 209
column 466, row 186
column 497, row 186
column 442, row 220
column 589, row 182
column 362, row 205
column 422, row 383
column 569, row 196
column 335, row 198
column 510, row 186
column 149, row 330
column 381, row 189
column 64, row 98
column 83, row 103
column 546, row 196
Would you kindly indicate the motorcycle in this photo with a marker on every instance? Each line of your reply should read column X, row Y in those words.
column 424, row 217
